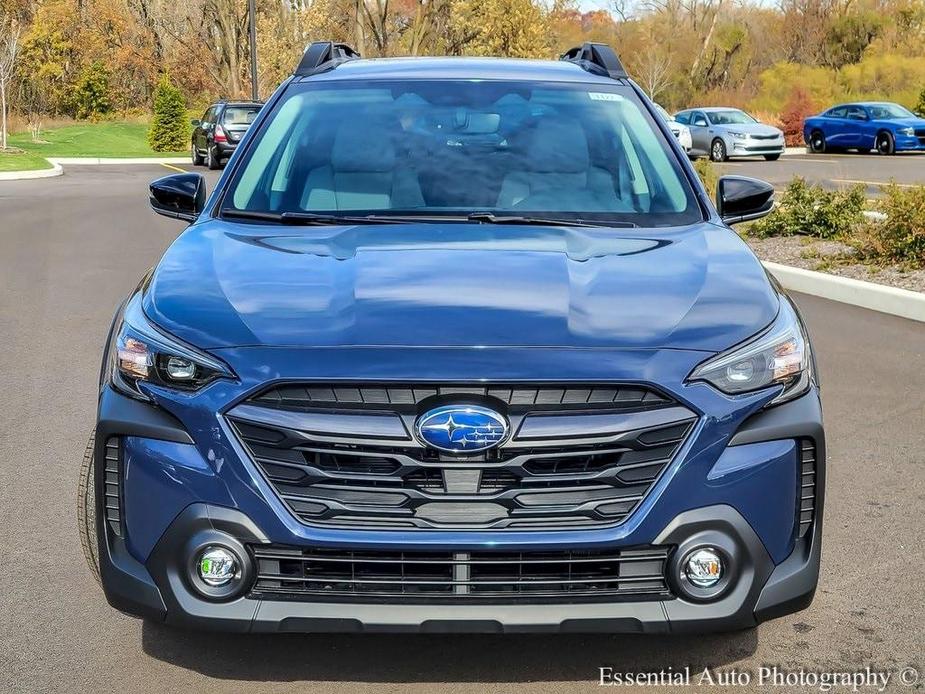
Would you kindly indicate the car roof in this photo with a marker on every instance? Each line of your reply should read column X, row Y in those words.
column 513, row 69
column 258, row 104
column 864, row 103
column 714, row 109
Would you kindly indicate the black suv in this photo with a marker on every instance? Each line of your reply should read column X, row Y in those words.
column 218, row 132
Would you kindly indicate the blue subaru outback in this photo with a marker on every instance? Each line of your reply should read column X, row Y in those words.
column 457, row 344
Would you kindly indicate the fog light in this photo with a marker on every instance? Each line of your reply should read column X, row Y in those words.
column 217, row 566
column 704, row 568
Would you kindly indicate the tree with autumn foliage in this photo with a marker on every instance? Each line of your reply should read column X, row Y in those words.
column 799, row 107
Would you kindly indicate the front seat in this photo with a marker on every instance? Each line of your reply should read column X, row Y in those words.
column 364, row 173
column 557, row 173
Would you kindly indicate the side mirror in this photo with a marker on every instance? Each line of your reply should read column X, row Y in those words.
column 742, row 199
column 179, row 196
column 195, row 122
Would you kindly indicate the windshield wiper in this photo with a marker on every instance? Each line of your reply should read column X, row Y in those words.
column 492, row 218
column 308, row 218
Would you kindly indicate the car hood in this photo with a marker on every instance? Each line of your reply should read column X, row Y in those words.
column 752, row 129
column 903, row 122
column 453, row 285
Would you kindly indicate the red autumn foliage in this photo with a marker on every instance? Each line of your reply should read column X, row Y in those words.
column 799, row 107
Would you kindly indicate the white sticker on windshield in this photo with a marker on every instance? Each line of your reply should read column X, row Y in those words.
column 604, row 96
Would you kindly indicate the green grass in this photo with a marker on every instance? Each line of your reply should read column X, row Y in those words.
column 22, row 161
column 106, row 139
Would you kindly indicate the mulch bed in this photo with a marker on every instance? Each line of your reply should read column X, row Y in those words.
column 834, row 258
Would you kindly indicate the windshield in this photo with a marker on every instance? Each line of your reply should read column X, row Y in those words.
column 888, row 112
column 429, row 148
column 731, row 117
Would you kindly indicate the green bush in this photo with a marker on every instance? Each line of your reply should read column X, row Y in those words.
column 170, row 127
column 899, row 236
column 808, row 210
column 708, row 175
column 90, row 97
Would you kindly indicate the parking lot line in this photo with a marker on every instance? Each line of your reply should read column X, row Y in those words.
column 175, row 168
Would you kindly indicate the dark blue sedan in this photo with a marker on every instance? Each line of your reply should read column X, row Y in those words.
column 883, row 126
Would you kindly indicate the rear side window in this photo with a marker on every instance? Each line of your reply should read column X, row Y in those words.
column 457, row 146
column 838, row 112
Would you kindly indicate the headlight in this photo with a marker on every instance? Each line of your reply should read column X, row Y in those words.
column 739, row 136
column 143, row 352
column 907, row 131
column 778, row 356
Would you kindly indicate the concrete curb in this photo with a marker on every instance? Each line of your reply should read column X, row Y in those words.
column 876, row 297
column 96, row 161
column 55, row 170
column 790, row 151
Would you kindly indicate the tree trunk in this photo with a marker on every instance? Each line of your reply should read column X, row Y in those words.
column 3, row 109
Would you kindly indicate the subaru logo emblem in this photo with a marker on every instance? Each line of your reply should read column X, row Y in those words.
column 461, row 428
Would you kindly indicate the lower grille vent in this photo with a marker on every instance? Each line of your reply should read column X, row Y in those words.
column 284, row 572
column 807, row 486
column 112, row 480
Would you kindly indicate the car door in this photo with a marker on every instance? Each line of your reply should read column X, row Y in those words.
column 202, row 132
column 700, row 132
column 834, row 126
column 856, row 119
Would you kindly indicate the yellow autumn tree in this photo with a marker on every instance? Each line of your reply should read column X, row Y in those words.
column 509, row 28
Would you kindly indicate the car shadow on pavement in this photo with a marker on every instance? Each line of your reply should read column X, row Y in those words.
column 391, row 658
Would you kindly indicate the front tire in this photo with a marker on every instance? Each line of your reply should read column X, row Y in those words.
column 718, row 150
column 817, row 142
column 771, row 157
column 86, row 511
column 886, row 145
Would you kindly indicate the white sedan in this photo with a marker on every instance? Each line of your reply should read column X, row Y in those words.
column 681, row 131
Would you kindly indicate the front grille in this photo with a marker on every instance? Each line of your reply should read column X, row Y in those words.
column 807, row 506
column 764, row 137
column 404, row 396
column 579, row 456
column 292, row 573
column 112, row 481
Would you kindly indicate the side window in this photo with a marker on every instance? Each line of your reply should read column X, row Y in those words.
column 838, row 112
column 856, row 113
column 683, row 117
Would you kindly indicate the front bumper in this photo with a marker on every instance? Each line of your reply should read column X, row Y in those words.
column 177, row 493
column 750, row 147
column 910, row 143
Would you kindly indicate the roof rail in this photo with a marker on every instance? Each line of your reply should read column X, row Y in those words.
column 596, row 57
column 324, row 55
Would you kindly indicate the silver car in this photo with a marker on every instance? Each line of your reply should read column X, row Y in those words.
column 680, row 131
column 721, row 133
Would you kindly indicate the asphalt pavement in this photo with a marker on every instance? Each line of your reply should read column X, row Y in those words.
column 72, row 247
column 834, row 170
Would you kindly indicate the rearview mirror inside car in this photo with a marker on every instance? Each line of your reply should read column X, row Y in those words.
column 179, row 196
column 742, row 199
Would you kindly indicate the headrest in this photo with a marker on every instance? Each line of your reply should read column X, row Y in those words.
column 558, row 147
column 363, row 148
